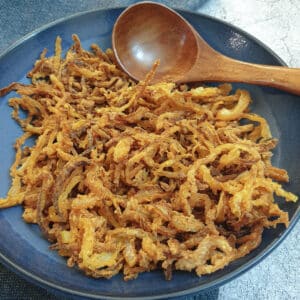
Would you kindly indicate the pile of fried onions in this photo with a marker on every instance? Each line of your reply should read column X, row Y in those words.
column 131, row 177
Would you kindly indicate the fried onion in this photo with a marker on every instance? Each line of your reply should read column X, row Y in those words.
column 130, row 177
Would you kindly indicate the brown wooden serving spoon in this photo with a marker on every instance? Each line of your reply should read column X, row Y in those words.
column 148, row 31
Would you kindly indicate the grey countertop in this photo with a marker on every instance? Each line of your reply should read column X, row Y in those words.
column 274, row 22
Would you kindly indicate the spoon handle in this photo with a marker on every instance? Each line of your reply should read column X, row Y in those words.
column 284, row 78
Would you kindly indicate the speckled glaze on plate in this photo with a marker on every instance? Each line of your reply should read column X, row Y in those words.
column 22, row 247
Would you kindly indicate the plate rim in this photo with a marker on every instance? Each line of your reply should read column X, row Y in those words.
column 29, row 276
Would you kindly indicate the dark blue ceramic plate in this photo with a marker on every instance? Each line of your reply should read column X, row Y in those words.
column 22, row 247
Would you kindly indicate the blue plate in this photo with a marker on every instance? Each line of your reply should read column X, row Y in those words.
column 23, row 248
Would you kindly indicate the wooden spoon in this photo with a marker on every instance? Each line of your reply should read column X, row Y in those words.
column 148, row 31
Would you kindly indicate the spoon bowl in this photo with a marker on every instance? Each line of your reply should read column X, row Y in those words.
column 146, row 32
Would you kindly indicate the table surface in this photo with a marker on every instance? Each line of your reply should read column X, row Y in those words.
column 274, row 22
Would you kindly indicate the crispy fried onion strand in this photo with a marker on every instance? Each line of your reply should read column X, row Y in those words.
column 127, row 177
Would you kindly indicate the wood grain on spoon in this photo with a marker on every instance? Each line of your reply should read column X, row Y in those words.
column 148, row 31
